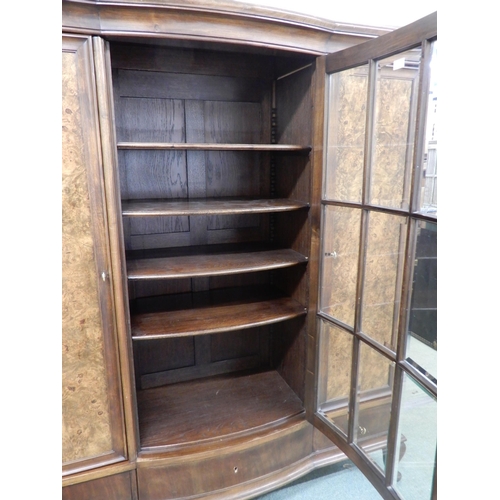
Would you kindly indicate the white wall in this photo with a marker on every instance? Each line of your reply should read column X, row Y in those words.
column 386, row 13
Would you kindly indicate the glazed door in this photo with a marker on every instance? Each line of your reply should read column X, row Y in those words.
column 376, row 388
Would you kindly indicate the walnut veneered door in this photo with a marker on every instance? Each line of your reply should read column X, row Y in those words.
column 92, row 420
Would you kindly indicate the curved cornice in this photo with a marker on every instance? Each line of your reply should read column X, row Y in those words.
column 214, row 21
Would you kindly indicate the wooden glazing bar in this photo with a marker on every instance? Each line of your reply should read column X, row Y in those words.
column 393, row 426
column 399, row 40
column 355, row 364
column 426, row 380
column 375, row 208
column 144, row 208
column 421, row 126
column 370, row 126
column 191, row 264
column 212, row 146
column 220, row 312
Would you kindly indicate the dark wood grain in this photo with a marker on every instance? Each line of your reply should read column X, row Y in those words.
column 218, row 315
column 318, row 123
column 116, row 487
column 197, row 372
column 294, row 104
column 206, row 58
column 235, row 25
column 151, row 173
column 145, row 208
column 153, row 84
column 118, row 274
column 214, row 408
column 191, row 61
column 164, row 355
column 293, row 173
column 399, row 40
column 213, row 147
column 192, row 262
column 233, row 472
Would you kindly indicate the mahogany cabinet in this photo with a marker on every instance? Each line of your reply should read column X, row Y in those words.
column 198, row 131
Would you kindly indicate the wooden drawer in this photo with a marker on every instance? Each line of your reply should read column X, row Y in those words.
column 225, row 469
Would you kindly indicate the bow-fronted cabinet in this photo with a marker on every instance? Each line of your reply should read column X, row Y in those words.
column 242, row 201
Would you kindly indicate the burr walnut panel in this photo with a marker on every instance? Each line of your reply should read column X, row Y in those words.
column 338, row 359
column 392, row 142
column 346, row 134
column 86, row 417
column 340, row 260
column 383, row 267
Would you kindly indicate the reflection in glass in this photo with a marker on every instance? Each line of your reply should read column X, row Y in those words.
column 418, row 438
column 341, row 230
column 394, row 129
column 385, row 248
column 428, row 196
column 336, row 358
column 374, row 399
column 422, row 327
column 346, row 134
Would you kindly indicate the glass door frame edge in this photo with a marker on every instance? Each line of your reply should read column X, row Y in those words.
column 357, row 456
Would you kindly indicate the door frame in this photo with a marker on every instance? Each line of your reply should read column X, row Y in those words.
column 420, row 33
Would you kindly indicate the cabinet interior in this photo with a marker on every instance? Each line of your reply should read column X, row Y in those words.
column 215, row 181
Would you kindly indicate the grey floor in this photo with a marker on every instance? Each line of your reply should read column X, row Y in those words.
column 343, row 481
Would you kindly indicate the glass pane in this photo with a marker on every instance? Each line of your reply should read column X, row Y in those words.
column 341, row 229
column 374, row 399
column 422, row 330
column 417, row 442
column 335, row 385
column 428, row 195
column 385, row 249
column 346, row 134
column 394, row 129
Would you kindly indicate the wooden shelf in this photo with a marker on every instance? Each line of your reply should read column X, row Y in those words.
column 214, row 408
column 221, row 206
column 212, row 312
column 215, row 260
column 213, row 147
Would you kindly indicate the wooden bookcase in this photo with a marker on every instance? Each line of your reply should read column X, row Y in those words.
column 212, row 174
column 208, row 123
column 215, row 193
